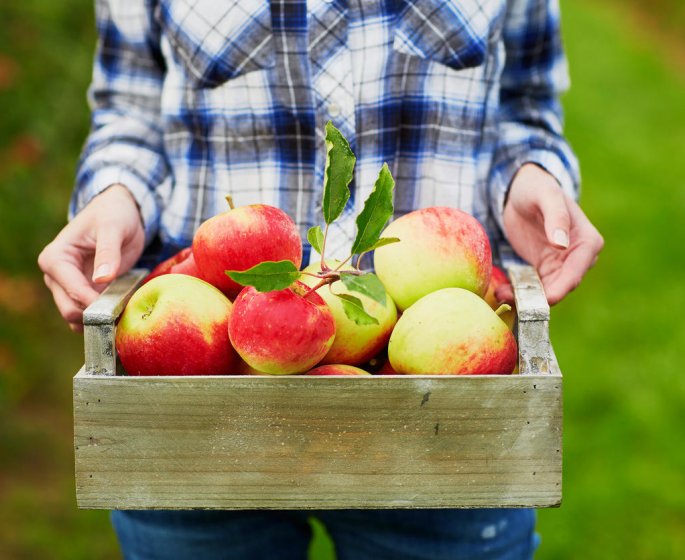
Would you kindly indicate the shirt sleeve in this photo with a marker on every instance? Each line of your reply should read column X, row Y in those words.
column 125, row 140
column 530, row 120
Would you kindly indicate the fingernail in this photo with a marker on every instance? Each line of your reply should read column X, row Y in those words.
column 102, row 271
column 560, row 238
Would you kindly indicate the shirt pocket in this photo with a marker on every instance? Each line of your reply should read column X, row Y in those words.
column 455, row 33
column 218, row 41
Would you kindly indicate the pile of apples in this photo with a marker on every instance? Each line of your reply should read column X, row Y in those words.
column 237, row 301
column 438, row 313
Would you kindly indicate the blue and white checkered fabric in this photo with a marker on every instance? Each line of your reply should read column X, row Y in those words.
column 195, row 99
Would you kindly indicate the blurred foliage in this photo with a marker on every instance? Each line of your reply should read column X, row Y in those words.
column 618, row 338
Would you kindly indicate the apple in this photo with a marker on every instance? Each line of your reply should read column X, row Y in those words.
column 498, row 278
column 386, row 369
column 283, row 331
column 242, row 238
column 354, row 344
column 439, row 248
column 176, row 325
column 337, row 369
column 180, row 263
column 452, row 331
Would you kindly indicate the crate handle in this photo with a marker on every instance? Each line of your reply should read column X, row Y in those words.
column 532, row 312
column 99, row 319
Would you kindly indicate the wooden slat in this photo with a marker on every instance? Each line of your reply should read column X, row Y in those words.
column 99, row 319
column 313, row 442
column 532, row 311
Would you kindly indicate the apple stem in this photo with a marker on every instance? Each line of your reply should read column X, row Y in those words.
column 343, row 263
column 229, row 199
column 503, row 309
column 326, row 280
column 324, row 266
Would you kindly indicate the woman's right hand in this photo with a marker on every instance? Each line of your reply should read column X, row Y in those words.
column 104, row 240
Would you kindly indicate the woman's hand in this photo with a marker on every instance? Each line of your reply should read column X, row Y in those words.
column 104, row 240
column 550, row 231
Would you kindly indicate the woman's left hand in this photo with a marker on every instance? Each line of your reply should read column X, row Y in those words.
column 548, row 229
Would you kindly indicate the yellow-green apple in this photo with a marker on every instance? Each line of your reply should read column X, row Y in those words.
column 180, row 263
column 176, row 325
column 439, row 248
column 337, row 369
column 241, row 238
column 452, row 331
column 354, row 344
column 499, row 278
column 283, row 331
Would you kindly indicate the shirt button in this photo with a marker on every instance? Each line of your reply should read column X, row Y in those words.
column 334, row 110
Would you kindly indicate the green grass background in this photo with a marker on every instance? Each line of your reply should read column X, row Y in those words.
column 619, row 338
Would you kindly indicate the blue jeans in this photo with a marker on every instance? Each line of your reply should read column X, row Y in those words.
column 477, row 534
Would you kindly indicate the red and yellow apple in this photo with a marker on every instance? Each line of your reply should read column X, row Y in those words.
column 180, row 263
column 354, row 344
column 439, row 248
column 337, row 369
column 176, row 325
column 283, row 331
column 452, row 331
column 242, row 238
column 499, row 278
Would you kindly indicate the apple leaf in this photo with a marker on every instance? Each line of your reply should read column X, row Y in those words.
column 378, row 209
column 267, row 276
column 315, row 238
column 355, row 310
column 338, row 173
column 382, row 242
column 367, row 284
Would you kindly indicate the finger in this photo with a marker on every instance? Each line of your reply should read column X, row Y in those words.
column 504, row 293
column 70, row 309
column 107, row 253
column 555, row 216
column 56, row 264
column 577, row 263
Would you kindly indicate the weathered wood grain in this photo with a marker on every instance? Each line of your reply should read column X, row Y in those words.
column 532, row 312
column 309, row 442
column 99, row 319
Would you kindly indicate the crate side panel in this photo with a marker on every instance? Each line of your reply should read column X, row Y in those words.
column 255, row 442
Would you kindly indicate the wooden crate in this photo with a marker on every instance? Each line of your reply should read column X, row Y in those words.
column 301, row 442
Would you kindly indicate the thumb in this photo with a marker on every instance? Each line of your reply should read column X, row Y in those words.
column 556, row 217
column 107, row 253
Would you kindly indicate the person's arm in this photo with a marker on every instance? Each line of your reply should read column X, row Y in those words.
column 534, row 180
column 115, row 208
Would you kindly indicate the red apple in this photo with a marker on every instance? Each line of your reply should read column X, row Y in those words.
column 337, row 369
column 386, row 369
column 176, row 325
column 181, row 263
column 281, row 332
column 242, row 238
column 354, row 344
column 499, row 278
column 452, row 331
column 439, row 248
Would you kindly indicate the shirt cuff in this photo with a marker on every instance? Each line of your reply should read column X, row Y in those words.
column 105, row 177
column 504, row 174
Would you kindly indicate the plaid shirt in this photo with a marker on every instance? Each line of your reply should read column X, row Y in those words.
column 195, row 99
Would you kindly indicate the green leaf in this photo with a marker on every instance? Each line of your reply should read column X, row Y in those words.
column 337, row 175
column 315, row 238
column 382, row 242
column 378, row 209
column 355, row 310
column 267, row 276
column 367, row 284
